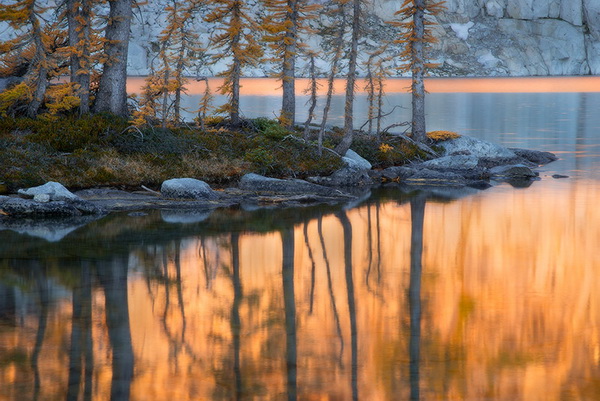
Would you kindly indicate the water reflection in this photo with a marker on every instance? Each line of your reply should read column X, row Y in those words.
column 402, row 297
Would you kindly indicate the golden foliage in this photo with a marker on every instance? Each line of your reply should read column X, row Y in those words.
column 12, row 97
column 442, row 135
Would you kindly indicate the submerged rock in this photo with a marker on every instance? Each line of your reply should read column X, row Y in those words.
column 535, row 156
column 187, row 188
column 512, row 171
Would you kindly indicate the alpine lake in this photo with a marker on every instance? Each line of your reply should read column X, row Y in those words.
column 489, row 295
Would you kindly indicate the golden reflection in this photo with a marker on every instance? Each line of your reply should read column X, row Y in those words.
column 488, row 297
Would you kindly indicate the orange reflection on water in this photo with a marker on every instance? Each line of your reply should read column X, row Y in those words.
column 272, row 87
column 509, row 307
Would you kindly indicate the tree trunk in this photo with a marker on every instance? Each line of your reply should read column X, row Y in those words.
column 38, row 66
column 343, row 147
column 418, row 72
column 79, row 40
column 112, row 89
column 288, row 105
column 313, row 97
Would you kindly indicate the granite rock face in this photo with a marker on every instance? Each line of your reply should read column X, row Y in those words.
column 476, row 37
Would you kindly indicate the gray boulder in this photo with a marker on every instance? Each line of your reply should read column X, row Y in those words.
column 356, row 161
column 187, row 188
column 466, row 145
column 397, row 173
column 518, row 171
column 457, row 162
column 345, row 177
column 54, row 190
column 258, row 183
column 535, row 156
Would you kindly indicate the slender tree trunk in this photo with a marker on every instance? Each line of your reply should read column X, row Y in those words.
column 112, row 89
column 40, row 61
column 343, row 147
column 288, row 105
column 313, row 97
column 78, row 20
column 418, row 72
column 165, row 88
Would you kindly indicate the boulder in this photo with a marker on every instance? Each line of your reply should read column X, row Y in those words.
column 397, row 173
column 54, row 190
column 187, row 188
column 258, row 183
column 535, row 156
column 345, row 177
column 457, row 162
column 518, row 171
column 466, row 145
column 355, row 161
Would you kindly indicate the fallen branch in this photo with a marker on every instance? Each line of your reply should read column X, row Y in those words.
column 151, row 190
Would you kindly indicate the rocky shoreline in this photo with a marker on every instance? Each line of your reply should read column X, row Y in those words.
column 465, row 165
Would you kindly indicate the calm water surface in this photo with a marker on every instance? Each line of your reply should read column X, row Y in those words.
column 491, row 296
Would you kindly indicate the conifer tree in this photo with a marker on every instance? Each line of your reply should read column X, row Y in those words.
column 334, row 39
column 344, row 145
column 83, row 43
column 415, row 38
column 234, row 41
column 285, row 21
column 31, row 48
column 112, row 90
column 205, row 103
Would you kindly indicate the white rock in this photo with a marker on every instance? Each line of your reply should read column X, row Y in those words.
column 462, row 30
column 54, row 190
column 354, row 160
column 41, row 198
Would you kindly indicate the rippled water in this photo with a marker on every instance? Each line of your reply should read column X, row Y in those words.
column 399, row 296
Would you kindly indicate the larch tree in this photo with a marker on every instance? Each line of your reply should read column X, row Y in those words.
column 285, row 21
column 333, row 35
column 234, row 41
column 346, row 142
column 30, row 49
column 178, row 48
column 112, row 88
column 84, row 43
column 415, row 37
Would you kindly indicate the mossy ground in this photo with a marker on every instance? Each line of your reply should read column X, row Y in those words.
column 103, row 150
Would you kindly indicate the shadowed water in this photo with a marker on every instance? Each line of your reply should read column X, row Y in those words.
column 401, row 296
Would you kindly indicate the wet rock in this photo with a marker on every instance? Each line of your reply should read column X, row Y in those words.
column 345, row 177
column 434, row 177
column 17, row 207
column 54, row 190
column 535, row 156
column 259, row 183
column 356, row 161
column 517, row 171
column 187, row 188
column 397, row 173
